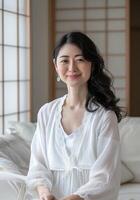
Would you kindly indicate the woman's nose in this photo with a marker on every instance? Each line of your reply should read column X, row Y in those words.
column 72, row 66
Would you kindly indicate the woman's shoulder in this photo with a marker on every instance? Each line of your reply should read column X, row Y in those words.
column 102, row 113
column 52, row 105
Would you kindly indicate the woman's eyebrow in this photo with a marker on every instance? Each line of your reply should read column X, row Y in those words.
column 66, row 56
column 78, row 55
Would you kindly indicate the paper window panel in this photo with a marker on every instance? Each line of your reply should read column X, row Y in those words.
column 95, row 3
column 10, row 28
column 24, row 63
column 8, row 119
column 95, row 26
column 95, row 14
column 1, row 125
column 116, row 43
column 24, row 117
column 115, row 3
column 0, row 27
column 1, row 99
column 117, row 71
column 10, row 97
column 68, row 14
column 108, row 34
column 69, row 26
column 10, row 5
column 10, row 63
column 119, row 83
column 99, row 40
column 1, row 63
column 117, row 60
column 24, row 31
column 69, row 4
column 120, row 93
column 24, row 95
column 116, row 65
column 14, row 62
column 58, row 36
column 122, row 103
column 116, row 13
column 116, row 25
column 0, row 3
column 24, row 7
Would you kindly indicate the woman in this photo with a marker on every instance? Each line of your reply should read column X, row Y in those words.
column 75, row 152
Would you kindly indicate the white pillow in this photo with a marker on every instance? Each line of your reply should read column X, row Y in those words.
column 126, row 174
column 24, row 129
column 130, row 144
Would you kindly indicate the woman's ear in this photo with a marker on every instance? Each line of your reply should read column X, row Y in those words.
column 54, row 62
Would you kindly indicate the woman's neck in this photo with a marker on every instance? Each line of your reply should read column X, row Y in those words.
column 76, row 98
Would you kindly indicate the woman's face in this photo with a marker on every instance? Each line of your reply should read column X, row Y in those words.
column 71, row 66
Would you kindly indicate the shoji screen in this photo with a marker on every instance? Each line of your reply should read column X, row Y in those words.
column 14, row 61
column 104, row 21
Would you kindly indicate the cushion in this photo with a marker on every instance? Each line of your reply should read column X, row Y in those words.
column 126, row 174
column 24, row 129
column 130, row 144
column 129, row 192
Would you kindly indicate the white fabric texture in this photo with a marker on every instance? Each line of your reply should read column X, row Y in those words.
column 130, row 145
column 126, row 174
column 130, row 191
column 12, row 186
column 16, row 151
column 7, row 165
column 23, row 129
column 90, row 167
column 14, row 161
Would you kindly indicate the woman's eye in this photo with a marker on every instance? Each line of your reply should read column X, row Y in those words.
column 64, row 61
column 80, row 60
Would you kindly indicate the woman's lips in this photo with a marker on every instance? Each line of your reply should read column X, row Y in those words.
column 73, row 76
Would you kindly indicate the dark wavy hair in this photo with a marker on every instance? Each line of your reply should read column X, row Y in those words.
column 100, row 87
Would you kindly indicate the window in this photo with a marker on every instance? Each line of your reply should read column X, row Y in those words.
column 14, row 61
column 105, row 22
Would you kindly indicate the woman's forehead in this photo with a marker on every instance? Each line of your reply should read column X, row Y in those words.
column 69, row 50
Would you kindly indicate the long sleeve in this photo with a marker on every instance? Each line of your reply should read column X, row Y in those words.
column 104, row 178
column 39, row 172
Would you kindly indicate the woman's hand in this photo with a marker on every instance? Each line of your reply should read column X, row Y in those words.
column 44, row 193
column 44, row 196
column 73, row 197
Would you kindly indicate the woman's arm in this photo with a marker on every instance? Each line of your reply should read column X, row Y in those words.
column 39, row 175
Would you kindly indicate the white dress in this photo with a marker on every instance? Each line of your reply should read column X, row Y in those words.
column 86, row 163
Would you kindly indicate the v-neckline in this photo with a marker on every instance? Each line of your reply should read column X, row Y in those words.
column 60, row 119
column 73, row 156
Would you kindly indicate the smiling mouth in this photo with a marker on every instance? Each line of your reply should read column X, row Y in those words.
column 73, row 76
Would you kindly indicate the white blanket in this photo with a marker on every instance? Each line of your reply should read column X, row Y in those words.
column 14, row 162
column 14, row 154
